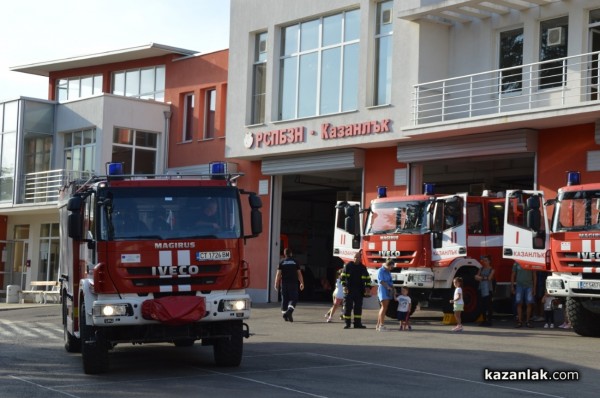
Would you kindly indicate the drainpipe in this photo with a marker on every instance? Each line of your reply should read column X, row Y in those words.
column 167, row 115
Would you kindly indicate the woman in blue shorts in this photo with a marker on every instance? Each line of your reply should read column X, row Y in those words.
column 385, row 292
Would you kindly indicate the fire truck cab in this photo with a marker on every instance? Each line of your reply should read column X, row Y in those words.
column 431, row 239
column 568, row 247
column 147, row 259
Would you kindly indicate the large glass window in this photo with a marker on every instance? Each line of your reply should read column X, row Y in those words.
column 8, row 148
column 80, row 149
column 594, row 47
column 259, row 79
column 78, row 87
column 8, row 152
column 383, row 53
column 553, row 45
column 319, row 66
column 136, row 150
column 511, row 55
column 146, row 83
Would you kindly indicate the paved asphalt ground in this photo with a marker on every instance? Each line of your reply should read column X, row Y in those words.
column 312, row 358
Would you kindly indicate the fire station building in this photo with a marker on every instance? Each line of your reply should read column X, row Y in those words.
column 315, row 102
column 332, row 99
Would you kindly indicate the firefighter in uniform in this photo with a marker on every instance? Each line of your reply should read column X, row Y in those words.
column 357, row 283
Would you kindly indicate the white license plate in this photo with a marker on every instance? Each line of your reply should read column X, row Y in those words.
column 595, row 285
column 222, row 255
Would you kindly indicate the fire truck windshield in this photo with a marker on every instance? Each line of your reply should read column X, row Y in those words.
column 168, row 213
column 397, row 217
column 577, row 211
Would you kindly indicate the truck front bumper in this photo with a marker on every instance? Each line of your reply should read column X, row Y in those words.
column 568, row 285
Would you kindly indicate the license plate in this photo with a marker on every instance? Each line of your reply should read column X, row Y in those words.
column 594, row 285
column 204, row 256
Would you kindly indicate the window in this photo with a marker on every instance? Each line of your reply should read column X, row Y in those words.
column 259, row 79
column 319, row 66
column 511, row 54
column 78, row 87
column 136, row 150
column 553, row 45
column 49, row 249
column 146, row 83
column 80, row 150
column 188, row 117
column 594, row 47
column 209, row 113
column 383, row 53
column 8, row 148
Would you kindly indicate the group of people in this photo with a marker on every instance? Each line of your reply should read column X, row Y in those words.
column 353, row 283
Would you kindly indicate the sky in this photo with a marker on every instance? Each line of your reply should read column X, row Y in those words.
column 34, row 31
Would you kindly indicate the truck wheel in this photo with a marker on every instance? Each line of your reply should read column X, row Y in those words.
column 94, row 348
column 583, row 321
column 228, row 350
column 72, row 343
column 472, row 308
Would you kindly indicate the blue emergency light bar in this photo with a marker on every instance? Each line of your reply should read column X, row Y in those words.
column 428, row 188
column 573, row 178
column 114, row 169
column 382, row 191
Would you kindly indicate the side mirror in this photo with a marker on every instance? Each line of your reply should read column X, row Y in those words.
column 75, row 226
column 74, row 204
column 256, row 222
column 351, row 220
column 254, row 201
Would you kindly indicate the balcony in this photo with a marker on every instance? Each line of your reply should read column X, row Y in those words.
column 43, row 187
column 556, row 84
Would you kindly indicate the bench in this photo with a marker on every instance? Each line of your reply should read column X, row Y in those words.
column 40, row 292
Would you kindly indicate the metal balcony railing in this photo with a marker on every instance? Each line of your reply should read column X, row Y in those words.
column 43, row 187
column 561, row 82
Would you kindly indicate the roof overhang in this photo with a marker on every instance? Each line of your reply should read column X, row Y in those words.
column 450, row 12
column 127, row 54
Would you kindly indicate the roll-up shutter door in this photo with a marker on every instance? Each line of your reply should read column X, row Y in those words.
column 507, row 142
column 321, row 161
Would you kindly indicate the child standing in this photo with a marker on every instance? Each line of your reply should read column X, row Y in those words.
column 404, row 305
column 458, row 303
column 338, row 296
column 548, row 301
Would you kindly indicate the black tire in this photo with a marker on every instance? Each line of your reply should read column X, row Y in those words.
column 228, row 351
column 472, row 308
column 184, row 343
column 584, row 322
column 94, row 348
column 72, row 343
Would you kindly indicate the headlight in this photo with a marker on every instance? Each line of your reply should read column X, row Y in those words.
column 234, row 305
column 420, row 278
column 112, row 310
column 554, row 283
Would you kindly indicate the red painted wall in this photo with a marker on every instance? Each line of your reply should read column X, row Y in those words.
column 564, row 149
column 380, row 164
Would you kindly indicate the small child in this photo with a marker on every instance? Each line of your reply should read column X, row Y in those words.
column 458, row 302
column 548, row 301
column 403, row 312
column 338, row 296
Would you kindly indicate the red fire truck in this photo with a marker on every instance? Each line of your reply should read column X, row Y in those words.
column 148, row 259
column 569, row 248
column 431, row 240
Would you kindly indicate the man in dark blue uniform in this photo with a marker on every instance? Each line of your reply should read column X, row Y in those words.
column 356, row 282
column 287, row 278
